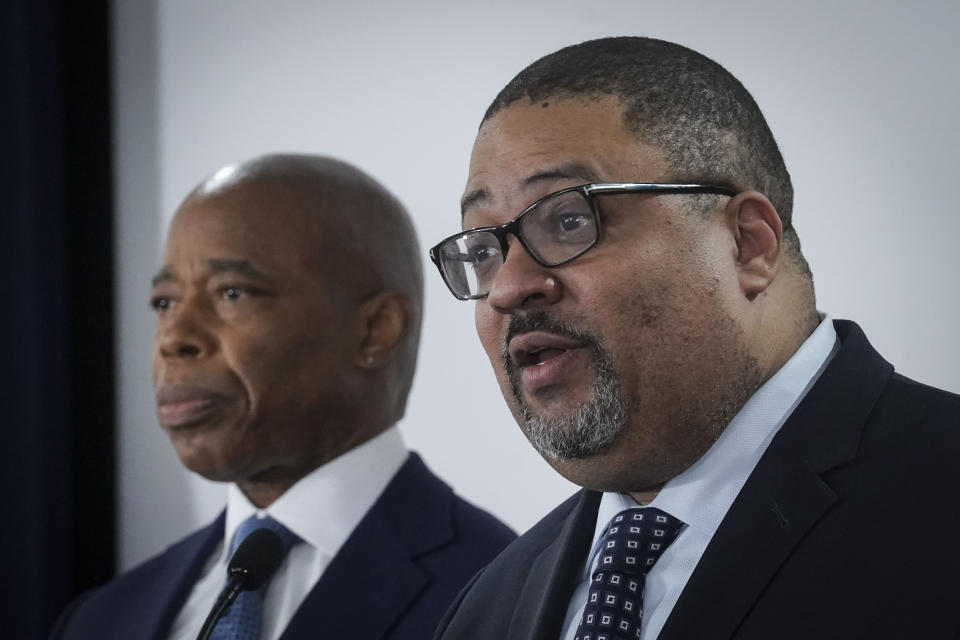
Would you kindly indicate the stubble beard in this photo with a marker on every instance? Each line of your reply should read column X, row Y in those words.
column 593, row 426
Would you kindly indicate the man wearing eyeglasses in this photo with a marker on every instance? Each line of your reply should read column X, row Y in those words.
column 751, row 467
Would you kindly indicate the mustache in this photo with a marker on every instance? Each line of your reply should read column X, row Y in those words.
column 539, row 320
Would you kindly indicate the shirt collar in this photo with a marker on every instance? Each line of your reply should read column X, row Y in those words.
column 324, row 506
column 702, row 495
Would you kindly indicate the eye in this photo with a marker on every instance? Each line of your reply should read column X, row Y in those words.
column 160, row 303
column 233, row 293
column 572, row 221
column 471, row 251
column 565, row 219
column 567, row 226
column 238, row 293
column 481, row 253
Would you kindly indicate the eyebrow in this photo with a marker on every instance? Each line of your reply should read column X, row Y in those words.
column 214, row 266
column 165, row 274
column 562, row 172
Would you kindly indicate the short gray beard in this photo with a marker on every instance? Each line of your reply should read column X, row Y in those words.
column 586, row 431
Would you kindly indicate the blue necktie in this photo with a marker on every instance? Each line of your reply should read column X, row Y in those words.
column 242, row 619
column 633, row 542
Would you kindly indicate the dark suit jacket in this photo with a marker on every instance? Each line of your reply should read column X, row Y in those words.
column 849, row 527
column 394, row 577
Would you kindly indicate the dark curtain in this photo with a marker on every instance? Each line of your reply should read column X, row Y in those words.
column 57, row 252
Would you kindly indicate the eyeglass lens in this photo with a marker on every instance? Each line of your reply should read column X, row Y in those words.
column 555, row 230
column 470, row 261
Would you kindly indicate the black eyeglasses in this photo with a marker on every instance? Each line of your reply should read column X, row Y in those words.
column 554, row 230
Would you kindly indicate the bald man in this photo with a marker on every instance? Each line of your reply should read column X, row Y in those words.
column 288, row 317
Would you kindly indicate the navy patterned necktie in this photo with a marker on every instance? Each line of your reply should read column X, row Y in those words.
column 633, row 542
column 242, row 619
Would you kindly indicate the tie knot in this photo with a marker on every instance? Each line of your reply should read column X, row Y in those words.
column 254, row 522
column 635, row 539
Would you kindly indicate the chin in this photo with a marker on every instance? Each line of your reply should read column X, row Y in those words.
column 594, row 472
column 204, row 462
column 612, row 469
column 202, row 467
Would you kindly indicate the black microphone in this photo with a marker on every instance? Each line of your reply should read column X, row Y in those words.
column 252, row 564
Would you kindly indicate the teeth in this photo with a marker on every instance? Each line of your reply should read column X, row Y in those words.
column 535, row 357
column 538, row 357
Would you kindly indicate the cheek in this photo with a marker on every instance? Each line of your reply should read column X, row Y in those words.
column 290, row 368
column 155, row 364
column 158, row 362
column 488, row 330
column 491, row 329
column 255, row 361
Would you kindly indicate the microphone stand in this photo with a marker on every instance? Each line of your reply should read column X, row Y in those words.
column 224, row 600
column 252, row 564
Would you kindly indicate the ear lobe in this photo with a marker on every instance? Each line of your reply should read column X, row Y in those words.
column 385, row 318
column 759, row 238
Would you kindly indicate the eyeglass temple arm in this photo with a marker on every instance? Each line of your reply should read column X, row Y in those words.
column 629, row 187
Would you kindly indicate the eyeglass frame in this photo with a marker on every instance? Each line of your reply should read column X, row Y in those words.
column 589, row 191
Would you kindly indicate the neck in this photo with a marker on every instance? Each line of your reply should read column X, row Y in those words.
column 643, row 497
column 794, row 335
column 263, row 494
column 786, row 317
column 266, row 486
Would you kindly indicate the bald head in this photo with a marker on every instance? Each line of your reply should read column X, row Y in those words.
column 358, row 229
column 363, row 224
column 288, row 312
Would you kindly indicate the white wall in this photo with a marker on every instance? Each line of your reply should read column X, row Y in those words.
column 863, row 97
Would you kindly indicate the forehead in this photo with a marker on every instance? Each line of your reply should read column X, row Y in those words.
column 267, row 226
column 575, row 140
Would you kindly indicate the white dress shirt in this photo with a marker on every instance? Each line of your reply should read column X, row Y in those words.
column 702, row 495
column 322, row 508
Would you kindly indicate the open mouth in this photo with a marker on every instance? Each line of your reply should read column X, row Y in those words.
column 536, row 358
column 542, row 359
column 538, row 347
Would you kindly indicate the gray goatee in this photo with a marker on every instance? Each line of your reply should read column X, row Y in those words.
column 590, row 428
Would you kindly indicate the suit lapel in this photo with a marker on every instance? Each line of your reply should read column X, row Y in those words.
column 784, row 496
column 374, row 578
column 369, row 584
column 542, row 604
column 182, row 565
column 757, row 535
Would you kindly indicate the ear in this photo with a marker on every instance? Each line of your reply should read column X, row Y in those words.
column 758, row 234
column 385, row 319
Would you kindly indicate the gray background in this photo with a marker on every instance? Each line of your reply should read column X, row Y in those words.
column 862, row 97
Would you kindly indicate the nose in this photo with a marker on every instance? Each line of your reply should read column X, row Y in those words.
column 183, row 332
column 522, row 283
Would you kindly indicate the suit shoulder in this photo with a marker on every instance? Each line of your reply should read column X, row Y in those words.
column 438, row 510
column 125, row 586
column 930, row 396
column 87, row 614
column 917, row 402
column 477, row 536
column 96, row 612
column 499, row 586
column 480, row 523
column 910, row 440
column 514, row 561
column 524, row 548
